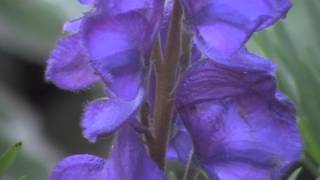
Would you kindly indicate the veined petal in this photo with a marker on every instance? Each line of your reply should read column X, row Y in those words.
column 80, row 167
column 216, row 79
column 129, row 160
column 105, row 36
column 104, row 116
column 117, row 48
column 232, row 119
column 232, row 137
column 222, row 27
column 69, row 67
column 150, row 8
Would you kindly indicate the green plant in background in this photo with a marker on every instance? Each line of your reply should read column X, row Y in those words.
column 294, row 45
column 7, row 158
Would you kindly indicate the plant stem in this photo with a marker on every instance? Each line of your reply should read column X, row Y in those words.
column 166, row 77
column 190, row 171
column 187, row 51
column 144, row 117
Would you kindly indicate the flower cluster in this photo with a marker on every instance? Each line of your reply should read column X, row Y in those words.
column 228, row 112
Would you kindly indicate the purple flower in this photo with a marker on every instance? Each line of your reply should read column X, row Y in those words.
column 241, row 126
column 128, row 160
column 221, row 27
column 229, row 112
column 103, row 117
column 115, row 40
column 68, row 66
column 111, row 44
column 180, row 145
column 119, row 37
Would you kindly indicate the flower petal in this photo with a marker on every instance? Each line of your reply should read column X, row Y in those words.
column 72, row 26
column 180, row 145
column 87, row 2
column 209, row 79
column 223, row 26
column 68, row 66
column 129, row 159
column 150, row 8
column 104, row 116
column 80, row 167
column 232, row 119
column 116, row 47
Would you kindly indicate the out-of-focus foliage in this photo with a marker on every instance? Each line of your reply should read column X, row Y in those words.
column 295, row 174
column 19, row 123
column 294, row 46
column 30, row 28
column 8, row 158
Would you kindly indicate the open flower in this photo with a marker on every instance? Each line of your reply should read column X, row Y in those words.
column 221, row 27
column 241, row 126
column 228, row 109
column 111, row 43
column 128, row 160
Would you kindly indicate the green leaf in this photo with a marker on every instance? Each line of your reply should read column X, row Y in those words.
column 22, row 178
column 172, row 176
column 202, row 176
column 7, row 158
column 295, row 174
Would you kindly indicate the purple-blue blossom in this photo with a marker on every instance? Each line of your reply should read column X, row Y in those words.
column 128, row 160
column 241, row 126
column 222, row 27
column 224, row 106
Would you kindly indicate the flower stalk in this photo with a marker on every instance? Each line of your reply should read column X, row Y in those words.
column 166, row 76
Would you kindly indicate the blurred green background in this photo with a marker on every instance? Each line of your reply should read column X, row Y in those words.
column 46, row 119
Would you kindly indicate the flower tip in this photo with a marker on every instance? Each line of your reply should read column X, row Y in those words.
column 86, row 2
column 91, row 137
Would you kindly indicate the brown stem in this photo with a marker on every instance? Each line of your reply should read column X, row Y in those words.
column 191, row 171
column 145, row 118
column 166, row 76
column 186, row 49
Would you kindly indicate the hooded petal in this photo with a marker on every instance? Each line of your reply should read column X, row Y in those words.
column 104, row 116
column 210, row 79
column 69, row 67
column 151, row 9
column 80, row 167
column 222, row 27
column 116, row 46
column 129, row 160
column 241, row 127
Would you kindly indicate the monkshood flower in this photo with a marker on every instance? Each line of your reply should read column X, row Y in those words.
column 111, row 43
column 128, row 160
column 241, row 126
column 229, row 115
column 221, row 27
